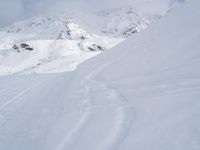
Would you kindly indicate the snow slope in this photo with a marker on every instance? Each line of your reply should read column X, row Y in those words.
column 142, row 94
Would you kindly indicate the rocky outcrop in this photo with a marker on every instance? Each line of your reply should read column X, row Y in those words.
column 22, row 46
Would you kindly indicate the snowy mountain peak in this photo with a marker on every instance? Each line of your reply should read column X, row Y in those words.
column 63, row 40
column 53, row 43
column 73, row 31
column 123, row 21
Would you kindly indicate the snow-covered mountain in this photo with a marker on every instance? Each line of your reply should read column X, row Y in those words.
column 58, row 42
column 142, row 94
column 48, row 44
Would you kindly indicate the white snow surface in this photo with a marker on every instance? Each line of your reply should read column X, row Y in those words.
column 142, row 95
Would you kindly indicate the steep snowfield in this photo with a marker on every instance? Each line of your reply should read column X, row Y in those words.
column 142, row 94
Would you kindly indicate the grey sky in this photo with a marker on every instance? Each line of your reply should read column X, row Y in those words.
column 12, row 10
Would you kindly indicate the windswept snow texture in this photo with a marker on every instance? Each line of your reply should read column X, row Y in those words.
column 142, row 95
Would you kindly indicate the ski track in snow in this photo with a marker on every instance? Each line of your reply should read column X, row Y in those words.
column 122, row 120
column 3, row 90
column 110, row 109
column 70, row 139
column 17, row 96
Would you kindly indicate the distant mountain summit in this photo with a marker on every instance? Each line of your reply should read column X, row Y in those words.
column 58, row 42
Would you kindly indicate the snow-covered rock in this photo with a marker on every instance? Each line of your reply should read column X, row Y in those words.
column 48, row 42
column 123, row 22
column 111, row 26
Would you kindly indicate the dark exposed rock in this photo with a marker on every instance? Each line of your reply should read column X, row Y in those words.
column 95, row 47
column 22, row 46
column 83, row 38
column 100, row 48
column 90, row 48
column 15, row 47
column 130, row 31
column 29, row 48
